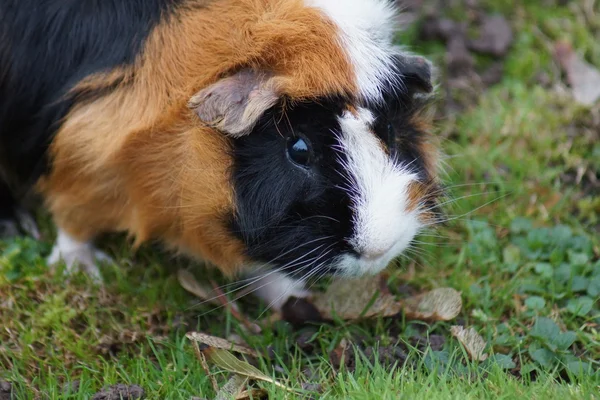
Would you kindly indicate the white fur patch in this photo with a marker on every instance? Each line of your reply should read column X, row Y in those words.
column 366, row 29
column 75, row 253
column 275, row 288
column 378, row 190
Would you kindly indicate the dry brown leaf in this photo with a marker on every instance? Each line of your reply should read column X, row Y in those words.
column 205, row 367
column 441, row 304
column 227, row 361
column 189, row 283
column 349, row 299
column 215, row 351
column 472, row 342
column 233, row 388
column 220, row 343
column 214, row 296
column 235, row 310
column 584, row 78
column 367, row 297
column 252, row 394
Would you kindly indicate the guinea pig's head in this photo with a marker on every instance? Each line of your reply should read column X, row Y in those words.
column 332, row 188
column 339, row 181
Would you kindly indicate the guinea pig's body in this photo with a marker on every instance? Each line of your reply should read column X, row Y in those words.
column 252, row 134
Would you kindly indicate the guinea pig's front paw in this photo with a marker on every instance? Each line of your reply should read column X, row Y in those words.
column 275, row 289
column 75, row 253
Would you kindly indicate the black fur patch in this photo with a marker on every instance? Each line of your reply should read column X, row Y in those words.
column 286, row 214
column 7, row 203
column 46, row 47
column 402, row 139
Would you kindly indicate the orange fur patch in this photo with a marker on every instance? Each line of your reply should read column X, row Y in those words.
column 428, row 147
column 418, row 192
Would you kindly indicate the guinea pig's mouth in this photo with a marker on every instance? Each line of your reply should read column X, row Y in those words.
column 351, row 265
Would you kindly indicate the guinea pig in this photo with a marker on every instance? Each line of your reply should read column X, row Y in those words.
column 281, row 139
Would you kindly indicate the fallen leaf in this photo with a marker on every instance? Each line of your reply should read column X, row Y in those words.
column 356, row 298
column 442, row 304
column 235, row 310
column 214, row 296
column 584, row 78
column 232, row 389
column 205, row 367
column 220, row 343
column 189, row 283
column 227, row 361
column 252, row 394
column 367, row 297
column 235, row 388
column 472, row 342
column 341, row 355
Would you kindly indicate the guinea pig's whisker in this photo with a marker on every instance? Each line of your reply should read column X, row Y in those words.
column 437, row 244
column 322, row 216
column 300, row 270
column 407, row 166
column 411, row 255
column 276, row 125
column 287, row 119
column 317, row 271
column 250, row 281
column 467, row 213
column 460, row 185
column 420, row 253
column 454, row 200
column 284, row 294
column 432, row 228
column 256, row 279
column 267, row 264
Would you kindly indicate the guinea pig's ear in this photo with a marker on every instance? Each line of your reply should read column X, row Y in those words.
column 415, row 72
column 235, row 103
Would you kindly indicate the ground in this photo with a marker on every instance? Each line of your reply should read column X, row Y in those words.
column 522, row 245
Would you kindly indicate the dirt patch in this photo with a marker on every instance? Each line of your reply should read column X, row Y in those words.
column 435, row 342
column 299, row 312
column 71, row 387
column 5, row 390
column 120, row 392
column 495, row 37
column 304, row 342
column 387, row 356
column 463, row 80
column 393, row 355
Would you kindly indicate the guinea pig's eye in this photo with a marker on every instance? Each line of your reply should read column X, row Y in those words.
column 298, row 151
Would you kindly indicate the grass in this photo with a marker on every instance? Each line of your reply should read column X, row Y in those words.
column 523, row 248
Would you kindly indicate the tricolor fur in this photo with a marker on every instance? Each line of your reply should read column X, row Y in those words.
column 174, row 119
